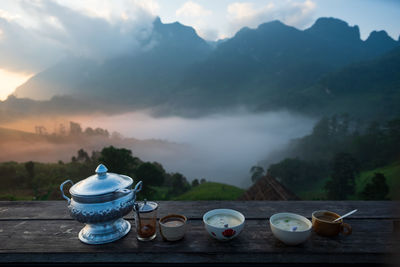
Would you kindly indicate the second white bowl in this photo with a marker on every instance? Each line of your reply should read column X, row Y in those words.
column 290, row 237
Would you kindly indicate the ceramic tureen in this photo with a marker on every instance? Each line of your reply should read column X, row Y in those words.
column 100, row 201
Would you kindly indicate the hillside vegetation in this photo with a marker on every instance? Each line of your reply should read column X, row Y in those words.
column 392, row 174
column 343, row 159
column 41, row 181
column 316, row 191
column 212, row 191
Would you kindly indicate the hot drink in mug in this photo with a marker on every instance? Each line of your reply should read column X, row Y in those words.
column 323, row 224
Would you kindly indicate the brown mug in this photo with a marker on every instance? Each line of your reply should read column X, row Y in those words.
column 322, row 222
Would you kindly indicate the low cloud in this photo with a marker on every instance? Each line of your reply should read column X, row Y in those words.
column 41, row 33
column 298, row 14
column 219, row 147
column 192, row 9
column 57, row 31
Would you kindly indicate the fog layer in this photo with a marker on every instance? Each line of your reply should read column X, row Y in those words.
column 220, row 148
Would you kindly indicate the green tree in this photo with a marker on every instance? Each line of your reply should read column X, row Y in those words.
column 392, row 144
column 256, row 173
column 322, row 129
column 119, row 160
column 74, row 128
column 83, row 156
column 30, row 169
column 151, row 175
column 195, row 182
column 89, row 131
column 369, row 146
column 101, row 132
column 40, row 182
column 8, row 174
column 342, row 182
column 42, row 187
column 377, row 189
column 179, row 185
column 297, row 174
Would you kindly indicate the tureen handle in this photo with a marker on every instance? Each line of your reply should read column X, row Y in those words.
column 138, row 186
column 62, row 192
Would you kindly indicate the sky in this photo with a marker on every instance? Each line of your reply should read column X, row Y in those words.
column 35, row 34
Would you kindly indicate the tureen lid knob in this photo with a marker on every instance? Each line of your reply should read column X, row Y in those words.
column 101, row 169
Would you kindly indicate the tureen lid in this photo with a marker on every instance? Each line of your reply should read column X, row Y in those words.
column 101, row 183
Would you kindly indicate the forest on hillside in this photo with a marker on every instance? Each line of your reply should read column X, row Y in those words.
column 41, row 181
column 343, row 158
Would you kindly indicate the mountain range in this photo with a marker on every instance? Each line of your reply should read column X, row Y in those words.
column 326, row 68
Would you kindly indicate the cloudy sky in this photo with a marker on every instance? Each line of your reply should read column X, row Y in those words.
column 34, row 34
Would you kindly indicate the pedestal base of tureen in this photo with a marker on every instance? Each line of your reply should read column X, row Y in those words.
column 100, row 233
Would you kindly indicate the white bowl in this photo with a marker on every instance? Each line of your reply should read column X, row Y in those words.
column 224, row 233
column 291, row 238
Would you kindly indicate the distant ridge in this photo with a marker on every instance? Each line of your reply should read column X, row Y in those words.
column 274, row 66
column 335, row 30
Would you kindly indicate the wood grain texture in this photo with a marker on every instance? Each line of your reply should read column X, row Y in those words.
column 43, row 232
column 32, row 237
column 53, row 210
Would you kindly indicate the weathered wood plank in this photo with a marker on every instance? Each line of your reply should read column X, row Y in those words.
column 54, row 210
column 44, row 232
column 198, row 259
column 371, row 241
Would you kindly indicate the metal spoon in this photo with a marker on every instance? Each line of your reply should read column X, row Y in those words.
column 347, row 214
column 138, row 216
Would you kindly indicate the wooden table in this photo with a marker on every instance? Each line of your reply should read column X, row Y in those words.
column 43, row 231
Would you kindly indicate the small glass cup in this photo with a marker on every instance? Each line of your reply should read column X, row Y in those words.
column 146, row 220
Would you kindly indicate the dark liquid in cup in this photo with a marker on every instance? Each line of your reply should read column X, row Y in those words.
column 146, row 230
column 327, row 218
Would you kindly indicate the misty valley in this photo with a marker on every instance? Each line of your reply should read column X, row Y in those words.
column 220, row 148
column 215, row 154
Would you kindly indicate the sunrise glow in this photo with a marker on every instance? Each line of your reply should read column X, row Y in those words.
column 11, row 80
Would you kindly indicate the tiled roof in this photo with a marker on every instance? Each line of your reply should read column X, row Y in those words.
column 268, row 188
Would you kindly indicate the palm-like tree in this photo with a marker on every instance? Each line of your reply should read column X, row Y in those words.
column 256, row 173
